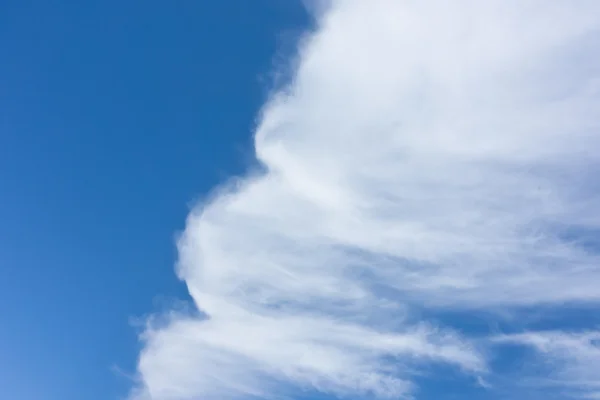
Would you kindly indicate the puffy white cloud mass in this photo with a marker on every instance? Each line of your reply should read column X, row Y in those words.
column 437, row 155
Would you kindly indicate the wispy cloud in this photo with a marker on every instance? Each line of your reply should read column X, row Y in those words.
column 426, row 152
column 570, row 360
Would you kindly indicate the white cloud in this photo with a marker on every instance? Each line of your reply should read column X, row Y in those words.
column 570, row 360
column 244, row 355
column 430, row 152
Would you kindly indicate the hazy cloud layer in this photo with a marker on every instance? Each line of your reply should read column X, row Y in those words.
column 427, row 154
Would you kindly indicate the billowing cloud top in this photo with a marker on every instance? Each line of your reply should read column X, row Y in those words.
column 428, row 158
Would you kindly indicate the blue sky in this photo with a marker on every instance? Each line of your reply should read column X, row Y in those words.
column 115, row 117
column 267, row 199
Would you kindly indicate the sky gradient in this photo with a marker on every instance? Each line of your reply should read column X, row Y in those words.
column 115, row 118
column 384, row 199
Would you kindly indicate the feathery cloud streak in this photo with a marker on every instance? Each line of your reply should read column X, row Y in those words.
column 568, row 360
column 430, row 153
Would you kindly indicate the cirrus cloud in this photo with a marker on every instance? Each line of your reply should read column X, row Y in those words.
column 426, row 154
